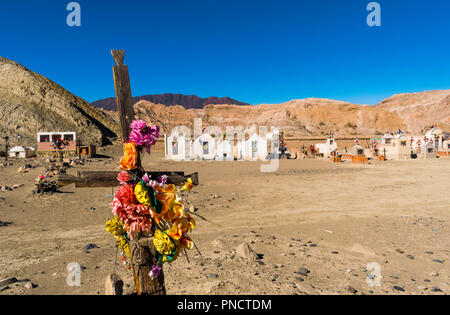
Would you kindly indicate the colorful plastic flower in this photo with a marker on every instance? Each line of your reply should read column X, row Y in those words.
column 130, row 159
column 123, row 177
column 172, row 207
column 162, row 180
column 181, row 227
column 165, row 246
column 136, row 216
column 143, row 134
column 155, row 272
column 188, row 185
column 116, row 228
column 142, row 194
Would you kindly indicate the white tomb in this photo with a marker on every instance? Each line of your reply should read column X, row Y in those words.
column 203, row 148
column 255, row 148
column 22, row 152
column 328, row 147
column 177, row 147
column 224, row 150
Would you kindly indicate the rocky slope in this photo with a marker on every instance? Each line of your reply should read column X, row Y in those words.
column 412, row 113
column 419, row 110
column 31, row 103
column 187, row 101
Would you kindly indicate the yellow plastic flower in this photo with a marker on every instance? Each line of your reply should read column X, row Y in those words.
column 115, row 227
column 188, row 186
column 122, row 243
column 163, row 244
column 142, row 195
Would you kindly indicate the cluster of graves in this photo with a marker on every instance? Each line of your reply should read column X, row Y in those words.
column 401, row 146
column 392, row 146
column 206, row 147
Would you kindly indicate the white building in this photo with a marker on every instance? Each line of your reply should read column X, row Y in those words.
column 255, row 148
column 446, row 146
column 426, row 150
column 177, row 147
column 328, row 147
column 203, row 148
column 224, row 150
column 396, row 147
column 43, row 137
column 21, row 152
column 387, row 139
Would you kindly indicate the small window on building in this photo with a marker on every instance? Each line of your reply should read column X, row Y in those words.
column 44, row 138
column 68, row 137
column 430, row 150
column 205, row 148
column 174, row 148
column 387, row 141
column 360, row 152
column 56, row 137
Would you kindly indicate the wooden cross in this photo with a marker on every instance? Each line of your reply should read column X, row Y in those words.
column 124, row 98
column 144, row 254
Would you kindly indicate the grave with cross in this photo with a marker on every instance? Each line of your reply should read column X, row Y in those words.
column 144, row 254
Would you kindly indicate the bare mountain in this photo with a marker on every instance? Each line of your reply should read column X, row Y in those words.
column 31, row 103
column 187, row 101
column 313, row 117
column 419, row 110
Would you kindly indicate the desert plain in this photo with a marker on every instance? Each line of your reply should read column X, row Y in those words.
column 313, row 227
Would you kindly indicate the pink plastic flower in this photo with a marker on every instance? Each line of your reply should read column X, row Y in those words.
column 143, row 134
column 138, row 125
column 123, row 177
column 136, row 217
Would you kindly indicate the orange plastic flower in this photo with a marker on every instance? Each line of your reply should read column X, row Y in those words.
column 181, row 227
column 185, row 242
column 129, row 161
column 171, row 207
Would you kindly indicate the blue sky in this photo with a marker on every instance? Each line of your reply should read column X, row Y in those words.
column 256, row 51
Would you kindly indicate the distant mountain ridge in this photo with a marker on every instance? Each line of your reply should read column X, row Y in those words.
column 168, row 99
column 413, row 113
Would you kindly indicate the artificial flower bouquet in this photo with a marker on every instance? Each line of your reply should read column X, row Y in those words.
column 148, row 207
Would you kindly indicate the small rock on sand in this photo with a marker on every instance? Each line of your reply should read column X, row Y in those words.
column 246, row 252
column 303, row 272
column 397, row 288
column 30, row 286
column 436, row 289
column 88, row 247
column 352, row 290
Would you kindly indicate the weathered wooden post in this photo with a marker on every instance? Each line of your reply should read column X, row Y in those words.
column 143, row 252
column 124, row 98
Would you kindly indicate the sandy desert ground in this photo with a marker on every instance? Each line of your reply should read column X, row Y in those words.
column 331, row 219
